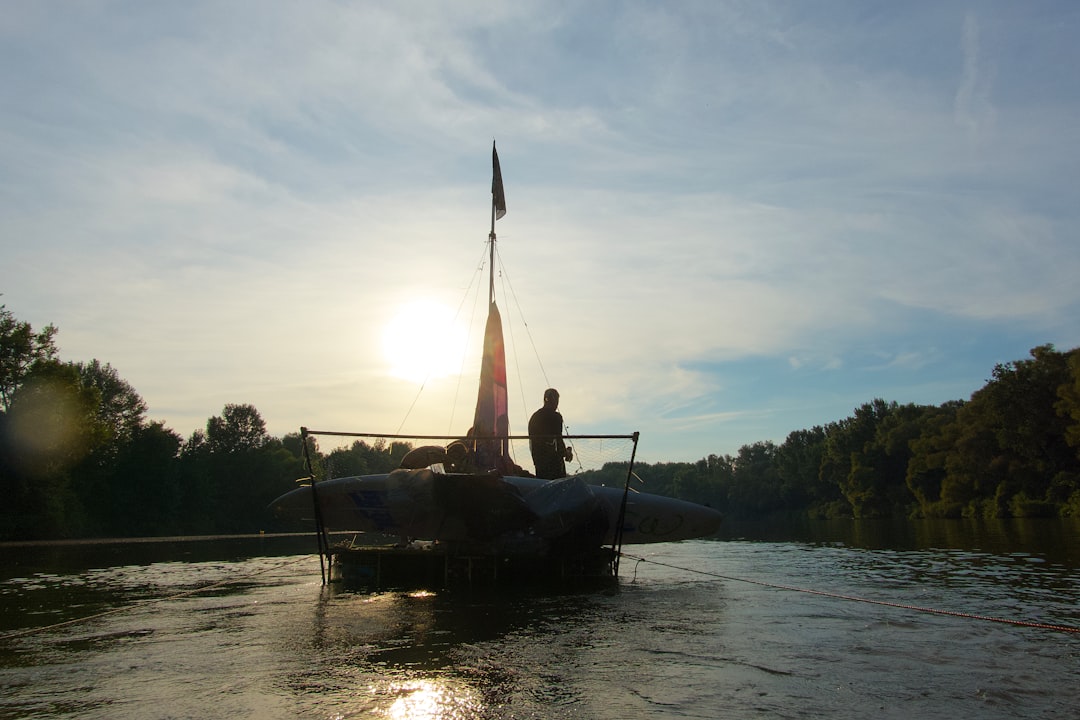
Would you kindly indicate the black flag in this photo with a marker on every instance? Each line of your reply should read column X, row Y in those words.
column 498, row 197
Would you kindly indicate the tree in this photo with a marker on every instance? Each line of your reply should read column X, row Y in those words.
column 888, row 457
column 1068, row 403
column 1025, row 393
column 120, row 408
column 842, row 460
column 231, row 472
column 137, row 491
column 52, row 419
column 20, row 350
column 866, row 456
column 360, row 458
column 927, row 468
column 798, row 464
column 705, row 482
column 221, row 472
column 1006, row 453
column 755, row 483
column 49, row 429
column 239, row 427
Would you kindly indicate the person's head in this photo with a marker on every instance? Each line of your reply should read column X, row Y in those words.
column 551, row 398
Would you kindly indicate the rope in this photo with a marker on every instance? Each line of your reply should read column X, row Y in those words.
column 468, row 335
column 854, row 598
column 75, row 621
column 508, row 290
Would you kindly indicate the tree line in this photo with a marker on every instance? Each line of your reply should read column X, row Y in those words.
column 1011, row 450
column 79, row 458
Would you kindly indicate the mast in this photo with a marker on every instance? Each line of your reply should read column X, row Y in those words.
column 491, row 423
column 491, row 259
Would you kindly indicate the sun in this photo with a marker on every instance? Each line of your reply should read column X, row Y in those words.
column 422, row 342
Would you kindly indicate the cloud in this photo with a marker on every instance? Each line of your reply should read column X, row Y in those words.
column 974, row 110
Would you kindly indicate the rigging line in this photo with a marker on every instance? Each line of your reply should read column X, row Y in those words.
column 152, row 601
column 855, row 598
column 411, row 406
column 508, row 292
column 472, row 318
column 528, row 331
column 468, row 337
column 505, row 276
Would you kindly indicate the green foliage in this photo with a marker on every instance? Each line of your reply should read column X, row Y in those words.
column 50, row 428
column 230, row 473
column 1068, row 404
column 866, row 456
column 132, row 488
column 1000, row 453
column 239, row 428
column 755, row 481
column 926, row 469
column 21, row 349
column 119, row 408
column 363, row 459
column 798, row 465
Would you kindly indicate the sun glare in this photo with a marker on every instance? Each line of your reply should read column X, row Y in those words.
column 434, row 700
column 421, row 342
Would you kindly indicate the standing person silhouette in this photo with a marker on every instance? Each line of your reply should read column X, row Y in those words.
column 549, row 452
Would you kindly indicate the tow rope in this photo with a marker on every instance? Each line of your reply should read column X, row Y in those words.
column 854, row 598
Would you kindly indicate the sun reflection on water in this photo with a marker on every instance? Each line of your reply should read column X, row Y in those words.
column 433, row 700
column 421, row 594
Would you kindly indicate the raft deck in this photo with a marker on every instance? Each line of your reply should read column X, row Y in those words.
column 437, row 566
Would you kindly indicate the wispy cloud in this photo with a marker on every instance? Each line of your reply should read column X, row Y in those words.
column 974, row 109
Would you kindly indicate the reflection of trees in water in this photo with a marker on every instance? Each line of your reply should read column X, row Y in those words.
column 1053, row 539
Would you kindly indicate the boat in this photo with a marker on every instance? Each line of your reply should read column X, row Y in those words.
column 469, row 496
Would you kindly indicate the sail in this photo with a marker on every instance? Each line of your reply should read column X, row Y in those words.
column 491, row 419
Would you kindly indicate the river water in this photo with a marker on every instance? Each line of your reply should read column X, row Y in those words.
column 798, row 622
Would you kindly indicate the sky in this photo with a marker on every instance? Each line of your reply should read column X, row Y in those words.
column 726, row 221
